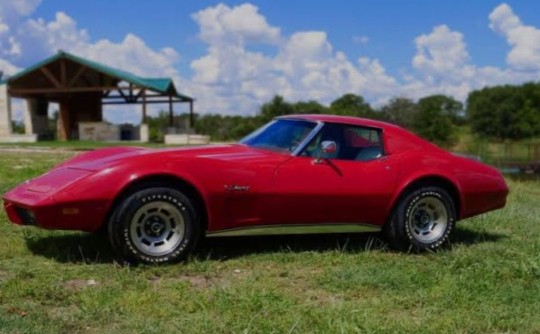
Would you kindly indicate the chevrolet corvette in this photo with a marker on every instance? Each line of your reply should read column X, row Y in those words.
column 297, row 174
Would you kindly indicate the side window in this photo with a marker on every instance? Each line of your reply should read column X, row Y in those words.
column 352, row 142
column 364, row 143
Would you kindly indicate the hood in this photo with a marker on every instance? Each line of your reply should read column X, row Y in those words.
column 101, row 158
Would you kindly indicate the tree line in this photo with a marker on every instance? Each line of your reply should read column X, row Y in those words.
column 496, row 113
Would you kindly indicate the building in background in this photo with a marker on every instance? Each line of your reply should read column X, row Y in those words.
column 81, row 87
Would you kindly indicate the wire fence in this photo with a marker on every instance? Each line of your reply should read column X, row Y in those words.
column 511, row 157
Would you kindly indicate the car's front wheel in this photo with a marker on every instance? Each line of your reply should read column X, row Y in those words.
column 153, row 225
column 422, row 219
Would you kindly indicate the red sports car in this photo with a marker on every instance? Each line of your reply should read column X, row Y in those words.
column 297, row 174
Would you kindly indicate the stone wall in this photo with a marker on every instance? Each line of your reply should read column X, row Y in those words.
column 98, row 131
column 101, row 131
column 5, row 112
column 186, row 139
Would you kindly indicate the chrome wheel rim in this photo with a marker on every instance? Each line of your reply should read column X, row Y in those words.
column 428, row 219
column 157, row 228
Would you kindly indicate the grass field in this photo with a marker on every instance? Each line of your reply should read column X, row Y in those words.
column 486, row 281
column 76, row 145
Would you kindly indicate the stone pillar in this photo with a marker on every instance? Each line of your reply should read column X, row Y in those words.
column 36, row 118
column 144, row 133
column 5, row 112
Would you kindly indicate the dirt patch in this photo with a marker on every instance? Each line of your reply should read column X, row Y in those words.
column 196, row 281
column 204, row 281
column 79, row 284
column 4, row 276
column 63, row 313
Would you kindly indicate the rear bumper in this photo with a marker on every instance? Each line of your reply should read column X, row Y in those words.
column 492, row 198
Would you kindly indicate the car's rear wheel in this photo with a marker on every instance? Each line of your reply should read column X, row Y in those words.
column 153, row 225
column 422, row 219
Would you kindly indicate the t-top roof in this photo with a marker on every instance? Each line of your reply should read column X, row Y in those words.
column 159, row 85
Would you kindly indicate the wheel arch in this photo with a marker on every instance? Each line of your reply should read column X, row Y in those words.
column 164, row 180
column 431, row 180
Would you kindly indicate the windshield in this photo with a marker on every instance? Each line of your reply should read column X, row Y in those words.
column 282, row 135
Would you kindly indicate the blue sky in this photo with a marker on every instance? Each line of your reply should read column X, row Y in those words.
column 390, row 25
column 234, row 55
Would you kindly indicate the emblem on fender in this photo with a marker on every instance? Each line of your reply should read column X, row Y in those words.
column 234, row 187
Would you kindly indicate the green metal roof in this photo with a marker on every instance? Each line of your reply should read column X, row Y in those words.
column 159, row 85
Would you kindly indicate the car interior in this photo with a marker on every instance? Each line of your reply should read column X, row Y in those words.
column 352, row 143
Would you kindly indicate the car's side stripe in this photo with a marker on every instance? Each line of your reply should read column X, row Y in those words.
column 295, row 229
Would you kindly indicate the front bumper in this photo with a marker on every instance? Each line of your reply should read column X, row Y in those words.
column 54, row 201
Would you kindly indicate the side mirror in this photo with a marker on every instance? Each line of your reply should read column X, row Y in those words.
column 328, row 147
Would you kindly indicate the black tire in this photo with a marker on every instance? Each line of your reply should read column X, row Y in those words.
column 421, row 220
column 154, row 226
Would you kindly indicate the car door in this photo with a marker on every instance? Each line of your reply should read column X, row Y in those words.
column 352, row 185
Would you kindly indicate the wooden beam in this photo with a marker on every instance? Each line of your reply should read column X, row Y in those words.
column 191, row 116
column 139, row 102
column 63, row 78
column 171, row 118
column 123, row 95
column 64, row 90
column 51, row 77
column 149, row 97
column 143, row 106
column 64, row 121
column 77, row 75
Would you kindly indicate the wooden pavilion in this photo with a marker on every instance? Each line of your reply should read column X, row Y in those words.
column 81, row 87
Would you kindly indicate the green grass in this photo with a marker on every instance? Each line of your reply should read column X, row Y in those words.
column 77, row 145
column 486, row 281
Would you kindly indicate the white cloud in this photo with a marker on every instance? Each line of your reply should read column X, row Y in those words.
column 11, row 12
column 443, row 65
column 360, row 39
column 524, row 39
column 131, row 54
column 8, row 68
column 224, row 25
column 440, row 53
column 38, row 39
column 231, row 78
column 17, row 8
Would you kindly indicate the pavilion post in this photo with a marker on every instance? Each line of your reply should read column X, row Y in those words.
column 171, row 120
column 64, row 121
column 144, row 106
column 191, row 116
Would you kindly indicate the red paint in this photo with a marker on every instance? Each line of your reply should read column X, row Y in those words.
column 282, row 189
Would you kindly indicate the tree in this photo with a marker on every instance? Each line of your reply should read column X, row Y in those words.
column 400, row 111
column 435, row 119
column 17, row 127
column 157, row 126
column 505, row 112
column 351, row 105
column 310, row 107
column 277, row 107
